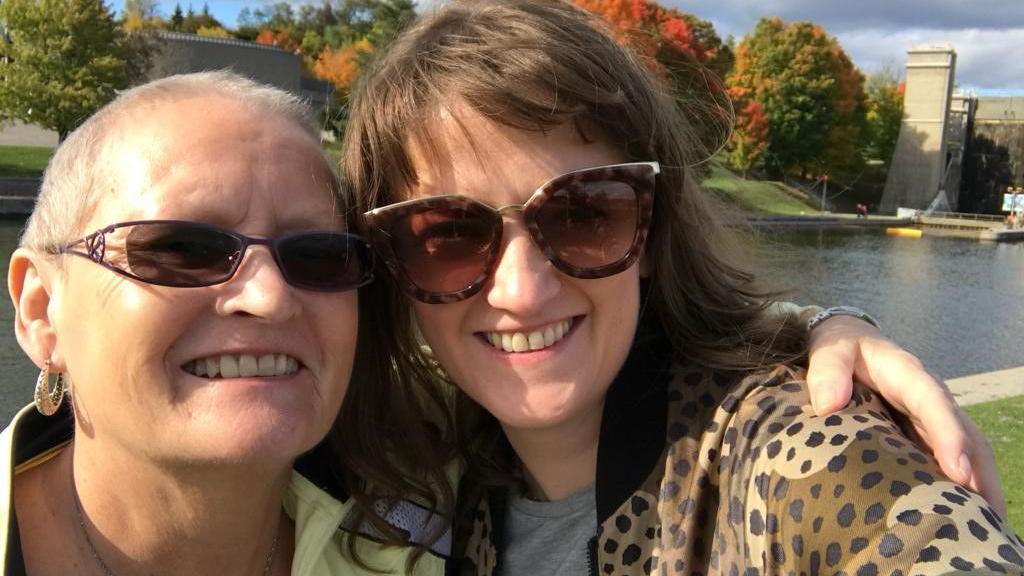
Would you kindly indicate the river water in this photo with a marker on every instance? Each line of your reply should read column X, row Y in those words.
column 957, row 304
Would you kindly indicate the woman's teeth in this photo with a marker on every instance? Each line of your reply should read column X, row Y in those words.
column 529, row 341
column 243, row 366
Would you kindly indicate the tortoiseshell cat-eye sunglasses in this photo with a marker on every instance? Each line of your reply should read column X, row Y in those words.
column 590, row 223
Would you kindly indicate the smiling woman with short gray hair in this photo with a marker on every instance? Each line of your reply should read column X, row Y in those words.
column 187, row 286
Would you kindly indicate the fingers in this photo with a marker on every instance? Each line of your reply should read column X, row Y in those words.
column 985, row 479
column 830, row 373
column 960, row 448
column 843, row 348
column 935, row 417
column 834, row 348
column 901, row 379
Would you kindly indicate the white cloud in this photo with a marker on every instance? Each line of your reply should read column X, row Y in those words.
column 988, row 35
column 985, row 58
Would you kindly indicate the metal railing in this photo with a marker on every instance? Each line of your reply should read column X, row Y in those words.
column 962, row 216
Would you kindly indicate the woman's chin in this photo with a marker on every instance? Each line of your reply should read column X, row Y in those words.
column 253, row 432
column 537, row 417
column 264, row 446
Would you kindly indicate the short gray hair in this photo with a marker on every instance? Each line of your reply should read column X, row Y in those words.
column 72, row 179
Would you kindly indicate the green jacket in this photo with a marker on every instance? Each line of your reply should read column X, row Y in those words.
column 322, row 522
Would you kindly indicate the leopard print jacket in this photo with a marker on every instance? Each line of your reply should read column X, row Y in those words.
column 704, row 472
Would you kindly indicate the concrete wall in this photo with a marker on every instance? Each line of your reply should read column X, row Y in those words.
column 999, row 126
column 994, row 156
column 1008, row 136
column 184, row 53
column 919, row 162
column 20, row 134
column 999, row 109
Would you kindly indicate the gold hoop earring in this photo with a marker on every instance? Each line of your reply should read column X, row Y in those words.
column 47, row 401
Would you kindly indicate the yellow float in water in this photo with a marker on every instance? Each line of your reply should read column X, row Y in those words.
column 903, row 232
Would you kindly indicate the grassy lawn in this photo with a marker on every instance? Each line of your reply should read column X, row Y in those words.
column 753, row 195
column 23, row 161
column 1003, row 423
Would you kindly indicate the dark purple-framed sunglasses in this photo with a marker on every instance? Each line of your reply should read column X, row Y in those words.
column 186, row 254
column 590, row 223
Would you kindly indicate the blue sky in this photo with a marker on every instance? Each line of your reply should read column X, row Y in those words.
column 987, row 34
column 224, row 10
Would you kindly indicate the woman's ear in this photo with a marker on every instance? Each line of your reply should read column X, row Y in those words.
column 30, row 280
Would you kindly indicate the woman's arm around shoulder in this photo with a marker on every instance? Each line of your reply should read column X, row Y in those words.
column 849, row 492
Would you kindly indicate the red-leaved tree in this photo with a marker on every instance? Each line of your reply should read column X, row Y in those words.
column 686, row 52
column 750, row 136
column 810, row 92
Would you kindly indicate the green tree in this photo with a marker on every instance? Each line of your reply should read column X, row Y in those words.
column 140, row 14
column 177, row 18
column 884, row 116
column 215, row 32
column 193, row 22
column 62, row 60
column 334, row 38
column 248, row 26
column 811, row 94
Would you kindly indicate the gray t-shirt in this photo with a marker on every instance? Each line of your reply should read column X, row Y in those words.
column 548, row 538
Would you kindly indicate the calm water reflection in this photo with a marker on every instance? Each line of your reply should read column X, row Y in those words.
column 957, row 304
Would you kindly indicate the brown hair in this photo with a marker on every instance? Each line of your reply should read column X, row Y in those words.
column 388, row 438
column 534, row 65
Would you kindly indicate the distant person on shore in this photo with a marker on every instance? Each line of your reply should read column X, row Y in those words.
column 862, row 210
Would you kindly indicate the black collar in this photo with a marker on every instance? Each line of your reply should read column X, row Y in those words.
column 634, row 419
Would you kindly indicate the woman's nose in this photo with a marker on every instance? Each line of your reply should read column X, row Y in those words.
column 524, row 282
column 259, row 289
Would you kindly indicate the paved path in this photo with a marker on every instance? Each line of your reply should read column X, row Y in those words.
column 988, row 386
column 12, row 186
column 824, row 220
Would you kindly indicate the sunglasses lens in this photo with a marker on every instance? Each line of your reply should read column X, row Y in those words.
column 178, row 254
column 590, row 223
column 444, row 249
column 324, row 261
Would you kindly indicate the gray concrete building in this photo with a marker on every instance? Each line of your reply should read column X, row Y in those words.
column 922, row 162
column 184, row 53
column 1001, row 122
column 994, row 157
column 956, row 151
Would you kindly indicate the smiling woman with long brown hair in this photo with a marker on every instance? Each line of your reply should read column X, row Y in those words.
column 625, row 404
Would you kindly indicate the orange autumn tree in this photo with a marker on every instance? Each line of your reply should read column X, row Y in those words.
column 341, row 67
column 810, row 92
column 663, row 36
column 333, row 38
column 684, row 50
column 280, row 38
column 845, row 136
column 749, row 138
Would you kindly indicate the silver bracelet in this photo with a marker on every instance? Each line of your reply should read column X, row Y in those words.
column 827, row 313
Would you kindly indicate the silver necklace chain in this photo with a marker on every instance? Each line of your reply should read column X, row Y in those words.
column 103, row 565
